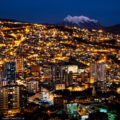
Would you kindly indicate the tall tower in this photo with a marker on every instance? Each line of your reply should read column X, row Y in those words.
column 101, row 72
column 98, row 72
column 98, row 75
column 93, row 72
column 57, row 74
column 9, row 91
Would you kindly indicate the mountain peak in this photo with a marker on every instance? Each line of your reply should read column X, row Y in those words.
column 82, row 22
column 79, row 19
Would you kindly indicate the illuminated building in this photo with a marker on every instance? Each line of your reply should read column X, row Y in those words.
column 101, row 72
column 98, row 75
column 57, row 74
column 69, row 81
column 93, row 72
column 76, row 88
column 101, row 84
column 3, row 81
column 23, row 96
column 98, row 71
column 9, row 98
column 19, row 65
column 9, row 91
column 82, row 76
column 71, row 109
column 60, row 86
column 10, row 72
column 72, row 68
column 62, row 73
column 3, row 98
column 33, row 86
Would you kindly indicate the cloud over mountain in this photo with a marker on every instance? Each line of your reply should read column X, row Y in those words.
column 79, row 19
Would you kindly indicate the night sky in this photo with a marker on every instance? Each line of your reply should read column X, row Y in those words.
column 107, row 12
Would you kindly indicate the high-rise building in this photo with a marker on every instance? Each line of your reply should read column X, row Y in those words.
column 98, row 75
column 93, row 72
column 62, row 74
column 23, row 96
column 98, row 72
column 9, row 99
column 3, row 98
column 10, row 72
column 101, row 72
column 9, row 91
column 19, row 65
column 69, row 80
column 57, row 74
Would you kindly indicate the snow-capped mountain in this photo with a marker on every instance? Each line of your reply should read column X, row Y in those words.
column 81, row 22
